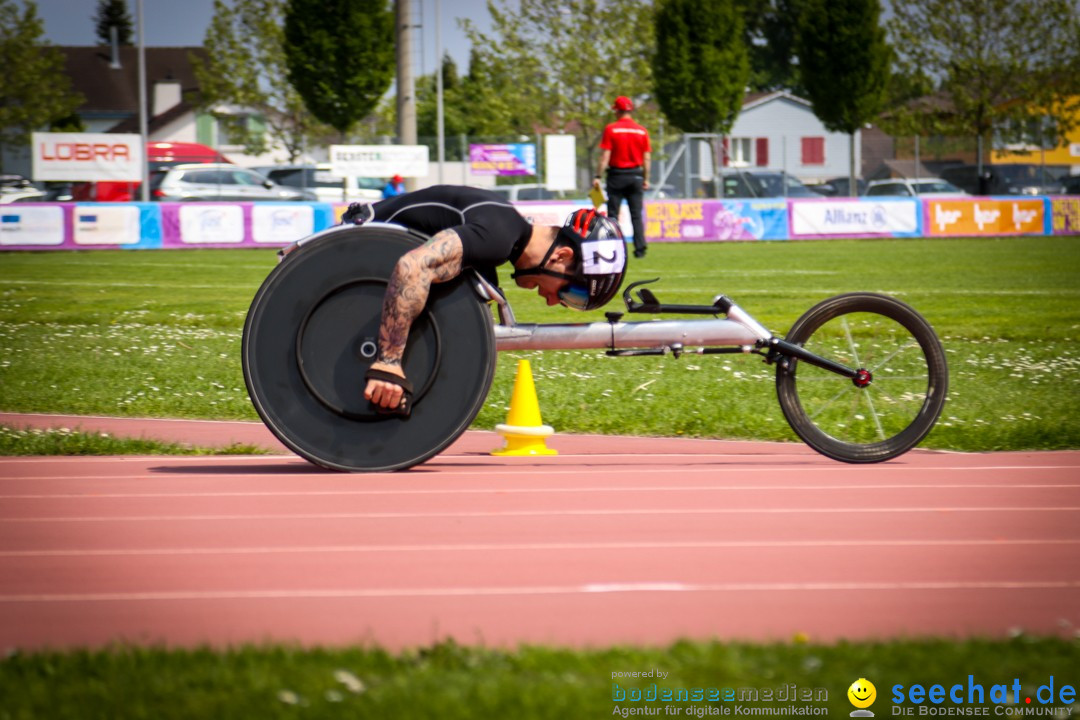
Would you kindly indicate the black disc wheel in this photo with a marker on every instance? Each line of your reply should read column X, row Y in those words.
column 312, row 333
column 895, row 398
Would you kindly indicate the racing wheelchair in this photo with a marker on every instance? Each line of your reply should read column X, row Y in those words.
column 860, row 377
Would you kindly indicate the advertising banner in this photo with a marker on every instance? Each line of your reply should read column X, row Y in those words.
column 78, row 157
column 215, row 224
column 379, row 160
column 854, row 218
column 1065, row 216
column 508, row 159
column 711, row 220
column 281, row 222
column 985, row 216
column 31, row 226
column 102, row 224
column 560, row 162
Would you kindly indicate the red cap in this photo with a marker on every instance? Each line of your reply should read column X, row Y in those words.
column 396, row 179
column 623, row 103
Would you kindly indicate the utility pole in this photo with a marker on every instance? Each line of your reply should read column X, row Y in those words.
column 406, row 87
column 440, row 121
column 144, row 187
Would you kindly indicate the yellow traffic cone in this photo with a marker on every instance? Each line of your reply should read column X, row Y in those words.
column 524, row 431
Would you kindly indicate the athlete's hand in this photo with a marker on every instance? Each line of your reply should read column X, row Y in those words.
column 382, row 393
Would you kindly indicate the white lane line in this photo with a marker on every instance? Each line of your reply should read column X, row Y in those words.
column 534, row 513
column 519, row 547
column 588, row 588
column 497, row 490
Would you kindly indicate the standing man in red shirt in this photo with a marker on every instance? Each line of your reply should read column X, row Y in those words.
column 625, row 156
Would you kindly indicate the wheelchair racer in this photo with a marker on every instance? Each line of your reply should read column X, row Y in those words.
column 580, row 265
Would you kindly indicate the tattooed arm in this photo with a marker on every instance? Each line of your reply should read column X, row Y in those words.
column 436, row 261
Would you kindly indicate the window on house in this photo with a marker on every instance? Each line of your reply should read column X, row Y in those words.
column 740, row 152
column 813, row 151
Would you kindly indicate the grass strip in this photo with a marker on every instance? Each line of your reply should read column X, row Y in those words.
column 62, row 441
column 448, row 681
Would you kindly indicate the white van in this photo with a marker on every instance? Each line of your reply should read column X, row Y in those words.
column 327, row 186
column 525, row 191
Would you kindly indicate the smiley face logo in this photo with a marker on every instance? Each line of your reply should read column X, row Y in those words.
column 862, row 693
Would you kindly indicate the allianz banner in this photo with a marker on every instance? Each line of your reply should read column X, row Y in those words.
column 854, row 218
column 86, row 157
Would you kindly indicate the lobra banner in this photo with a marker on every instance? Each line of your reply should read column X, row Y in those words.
column 86, row 157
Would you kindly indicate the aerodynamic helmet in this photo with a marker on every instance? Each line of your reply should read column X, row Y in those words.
column 599, row 260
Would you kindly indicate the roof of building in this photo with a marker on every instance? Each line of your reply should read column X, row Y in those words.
column 753, row 99
column 114, row 90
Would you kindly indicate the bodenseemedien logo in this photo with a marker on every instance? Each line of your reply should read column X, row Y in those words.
column 862, row 695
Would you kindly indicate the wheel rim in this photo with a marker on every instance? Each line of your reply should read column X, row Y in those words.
column 337, row 342
column 880, row 410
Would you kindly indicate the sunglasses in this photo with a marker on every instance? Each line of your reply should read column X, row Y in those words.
column 574, row 295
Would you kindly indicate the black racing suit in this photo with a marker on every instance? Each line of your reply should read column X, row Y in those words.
column 491, row 230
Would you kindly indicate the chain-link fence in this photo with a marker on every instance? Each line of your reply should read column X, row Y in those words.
column 779, row 164
column 978, row 168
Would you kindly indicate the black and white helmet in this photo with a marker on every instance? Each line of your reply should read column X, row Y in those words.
column 600, row 254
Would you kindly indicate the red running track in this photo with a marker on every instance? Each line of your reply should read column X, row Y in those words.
column 616, row 540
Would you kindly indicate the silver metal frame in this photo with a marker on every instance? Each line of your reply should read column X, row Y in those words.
column 739, row 330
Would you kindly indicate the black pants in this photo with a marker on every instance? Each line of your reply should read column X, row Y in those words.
column 628, row 185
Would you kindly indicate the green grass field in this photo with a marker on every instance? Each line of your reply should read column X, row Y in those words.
column 157, row 333
column 450, row 682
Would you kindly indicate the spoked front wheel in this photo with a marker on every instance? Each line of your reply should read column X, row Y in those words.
column 895, row 398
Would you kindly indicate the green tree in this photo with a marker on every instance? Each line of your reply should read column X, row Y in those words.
column 340, row 56
column 912, row 105
column 998, row 62
column 244, row 67
column 113, row 13
column 456, row 108
column 701, row 64
column 557, row 65
column 844, row 63
column 39, row 93
column 769, row 32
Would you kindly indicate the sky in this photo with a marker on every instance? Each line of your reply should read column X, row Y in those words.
column 184, row 23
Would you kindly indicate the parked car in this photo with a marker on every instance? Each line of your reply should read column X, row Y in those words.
column 1011, row 179
column 526, row 191
column 907, row 187
column 57, row 191
column 159, row 155
column 660, row 192
column 31, row 194
column 1070, row 185
column 11, row 182
column 219, row 182
column 328, row 187
column 763, row 183
column 839, row 187
column 16, row 188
